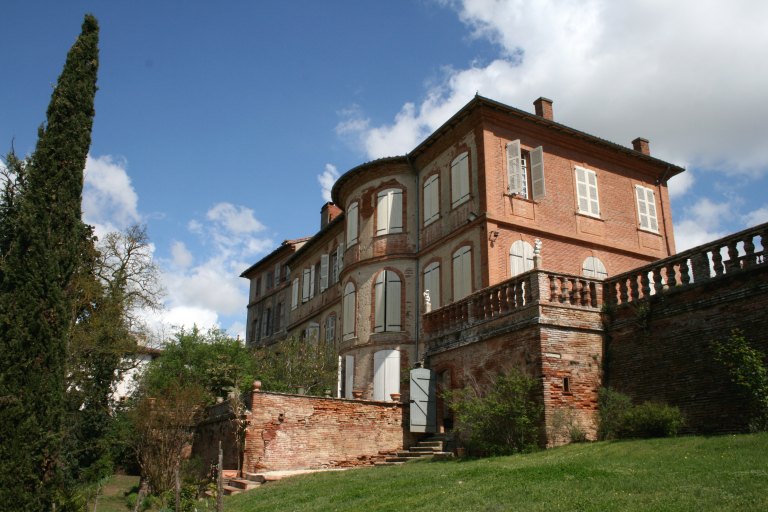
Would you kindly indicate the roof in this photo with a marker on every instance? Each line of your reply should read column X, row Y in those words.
column 311, row 240
column 287, row 244
column 357, row 170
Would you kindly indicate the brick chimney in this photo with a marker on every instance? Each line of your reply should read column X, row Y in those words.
column 544, row 108
column 641, row 145
column 328, row 212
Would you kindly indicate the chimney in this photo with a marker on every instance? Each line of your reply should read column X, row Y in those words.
column 328, row 212
column 544, row 108
column 641, row 145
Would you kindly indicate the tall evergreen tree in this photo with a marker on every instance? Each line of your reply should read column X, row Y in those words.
column 36, row 273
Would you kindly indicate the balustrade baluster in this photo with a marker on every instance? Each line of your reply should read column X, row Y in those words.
column 552, row 289
column 577, row 292
column 749, row 251
column 717, row 262
column 634, row 288
column 527, row 288
column 623, row 291
column 671, row 277
column 645, row 285
column 685, row 277
column 658, row 280
column 733, row 256
column 519, row 298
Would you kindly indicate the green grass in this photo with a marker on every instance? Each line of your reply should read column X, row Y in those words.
column 687, row 473
column 112, row 498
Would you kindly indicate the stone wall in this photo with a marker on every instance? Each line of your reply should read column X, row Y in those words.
column 296, row 431
column 219, row 425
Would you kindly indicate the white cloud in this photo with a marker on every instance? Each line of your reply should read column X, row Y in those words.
column 109, row 200
column 680, row 184
column 326, row 180
column 235, row 219
column 181, row 255
column 702, row 222
column 756, row 217
column 682, row 74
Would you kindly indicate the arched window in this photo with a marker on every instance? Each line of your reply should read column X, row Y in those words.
column 387, row 292
column 520, row 257
column 593, row 268
column 462, row 272
column 460, row 179
column 350, row 306
column 389, row 211
column 432, row 283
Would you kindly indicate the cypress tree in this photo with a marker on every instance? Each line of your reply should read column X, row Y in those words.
column 36, row 274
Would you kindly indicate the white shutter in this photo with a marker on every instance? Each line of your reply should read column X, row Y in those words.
column 311, row 281
column 586, row 188
column 305, row 284
column 593, row 268
column 396, row 211
column 379, row 293
column 349, row 375
column 537, row 173
column 352, row 224
column 295, row 294
column 646, row 208
column 382, row 213
column 432, row 283
column 460, row 179
column 520, row 257
column 349, row 311
column 462, row 273
column 431, row 199
column 323, row 272
column 515, row 176
column 594, row 205
column 393, row 302
column 386, row 374
column 339, row 259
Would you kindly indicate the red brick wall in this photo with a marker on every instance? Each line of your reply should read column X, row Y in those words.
column 663, row 353
column 292, row 431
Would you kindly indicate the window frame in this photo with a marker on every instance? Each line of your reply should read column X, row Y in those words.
column 589, row 189
column 388, row 300
column 522, row 251
column 389, row 211
column 646, row 209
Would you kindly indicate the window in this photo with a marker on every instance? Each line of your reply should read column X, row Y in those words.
column 386, row 374
column 387, row 292
column 389, row 212
column 312, row 333
column 266, row 322
column 431, row 199
column 593, row 268
column 278, row 316
column 525, row 171
column 349, row 308
column 349, row 376
column 258, row 287
column 646, row 208
column 432, row 283
column 306, row 284
column 586, row 188
column 460, row 180
column 520, row 257
column 330, row 329
column 277, row 274
column 315, row 288
column 333, row 271
column 295, row 294
column 462, row 273
column 352, row 224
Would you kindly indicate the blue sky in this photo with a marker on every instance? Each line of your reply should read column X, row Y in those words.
column 219, row 124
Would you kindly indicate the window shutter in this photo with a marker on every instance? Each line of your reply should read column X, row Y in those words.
column 393, row 302
column 352, row 224
column 339, row 259
column 311, row 281
column 305, row 284
column 382, row 213
column 515, row 176
column 395, row 211
column 277, row 274
column 323, row 272
column 520, row 257
column 462, row 273
column 432, row 283
column 386, row 374
column 431, row 199
column 379, row 297
column 349, row 311
column 295, row 294
column 586, row 188
column 651, row 199
column 349, row 375
column 537, row 173
column 594, row 206
column 460, row 179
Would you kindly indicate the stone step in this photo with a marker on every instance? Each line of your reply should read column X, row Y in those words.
column 388, row 463
column 255, row 477
column 398, row 459
column 244, row 484
column 425, row 449
column 412, row 455
column 229, row 490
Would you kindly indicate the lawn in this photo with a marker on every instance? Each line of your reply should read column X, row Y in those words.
column 112, row 498
column 687, row 473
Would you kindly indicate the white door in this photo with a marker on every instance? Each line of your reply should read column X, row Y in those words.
column 386, row 374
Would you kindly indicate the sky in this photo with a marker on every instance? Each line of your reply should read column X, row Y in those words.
column 221, row 126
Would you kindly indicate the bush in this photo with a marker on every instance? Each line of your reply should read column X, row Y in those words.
column 619, row 419
column 501, row 419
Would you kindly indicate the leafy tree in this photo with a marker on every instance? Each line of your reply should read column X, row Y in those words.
column 43, row 241
column 501, row 418
column 296, row 363
column 747, row 369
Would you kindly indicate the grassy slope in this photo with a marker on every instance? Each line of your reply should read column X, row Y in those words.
column 689, row 473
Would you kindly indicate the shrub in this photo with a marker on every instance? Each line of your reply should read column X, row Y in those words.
column 500, row 419
column 619, row 419
column 747, row 370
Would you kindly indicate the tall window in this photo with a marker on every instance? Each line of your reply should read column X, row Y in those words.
column 520, row 257
column 278, row 316
column 586, row 188
column 431, row 199
column 387, row 309
column 646, row 208
column 295, row 294
column 349, row 307
column 333, row 269
column 330, row 329
column 460, row 180
column 389, row 212
column 267, row 322
column 462, row 273
column 306, row 284
column 352, row 215
column 593, row 268
column 432, row 283
column 525, row 171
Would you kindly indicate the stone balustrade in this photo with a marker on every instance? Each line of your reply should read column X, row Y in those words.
column 733, row 253
column 510, row 296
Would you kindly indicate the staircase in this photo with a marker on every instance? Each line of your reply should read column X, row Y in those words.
column 432, row 448
column 237, row 485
